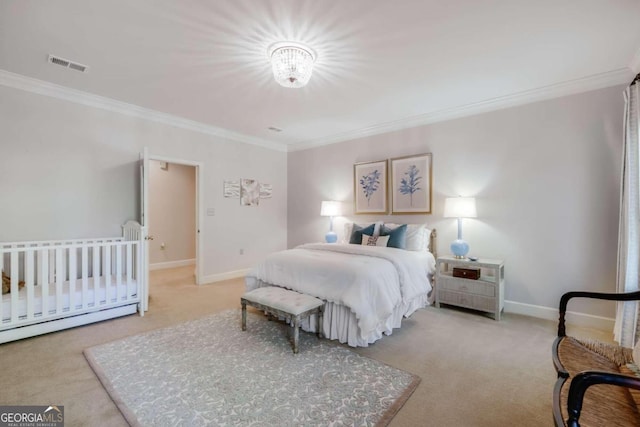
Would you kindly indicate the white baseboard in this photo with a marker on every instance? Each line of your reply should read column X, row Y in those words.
column 212, row 278
column 172, row 264
column 572, row 318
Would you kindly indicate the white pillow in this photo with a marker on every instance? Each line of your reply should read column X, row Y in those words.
column 379, row 240
column 348, row 228
column 417, row 236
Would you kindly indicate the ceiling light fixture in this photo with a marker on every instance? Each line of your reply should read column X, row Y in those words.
column 292, row 63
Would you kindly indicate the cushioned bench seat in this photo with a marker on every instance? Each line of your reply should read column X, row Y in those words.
column 290, row 305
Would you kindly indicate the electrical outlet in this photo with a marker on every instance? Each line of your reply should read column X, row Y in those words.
column 241, row 251
column 162, row 245
column 211, row 212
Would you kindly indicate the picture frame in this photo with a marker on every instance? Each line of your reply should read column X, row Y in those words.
column 249, row 192
column 411, row 180
column 231, row 189
column 370, row 187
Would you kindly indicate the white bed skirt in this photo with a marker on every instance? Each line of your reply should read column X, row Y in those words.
column 340, row 323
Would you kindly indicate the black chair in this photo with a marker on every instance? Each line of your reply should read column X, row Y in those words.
column 582, row 365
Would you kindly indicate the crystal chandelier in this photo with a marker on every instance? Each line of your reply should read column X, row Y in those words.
column 292, row 63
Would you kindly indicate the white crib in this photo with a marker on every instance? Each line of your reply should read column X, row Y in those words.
column 70, row 283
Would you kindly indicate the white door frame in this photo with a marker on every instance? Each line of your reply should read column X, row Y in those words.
column 199, row 198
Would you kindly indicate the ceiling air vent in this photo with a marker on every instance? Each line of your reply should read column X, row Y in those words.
column 68, row 64
column 274, row 129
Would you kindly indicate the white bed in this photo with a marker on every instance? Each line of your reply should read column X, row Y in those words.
column 367, row 289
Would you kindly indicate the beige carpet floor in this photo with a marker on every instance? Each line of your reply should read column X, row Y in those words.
column 475, row 371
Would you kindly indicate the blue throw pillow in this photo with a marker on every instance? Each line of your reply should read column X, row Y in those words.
column 357, row 232
column 397, row 236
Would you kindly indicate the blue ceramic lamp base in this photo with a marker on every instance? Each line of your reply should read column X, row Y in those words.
column 331, row 237
column 459, row 248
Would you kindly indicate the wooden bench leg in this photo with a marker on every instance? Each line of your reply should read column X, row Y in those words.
column 244, row 315
column 296, row 333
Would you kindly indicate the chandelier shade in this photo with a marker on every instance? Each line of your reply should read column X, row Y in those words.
column 292, row 64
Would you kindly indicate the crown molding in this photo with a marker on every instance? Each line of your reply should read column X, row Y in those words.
column 585, row 84
column 597, row 81
column 29, row 84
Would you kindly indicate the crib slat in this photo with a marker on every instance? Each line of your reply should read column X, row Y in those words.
column 44, row 281
column 59, row 271
column 73, row 276
column 52, row 267
column 106, row 269
column 129, row 267
column 29, row 281
column 14, row 286
column 95, row 252
column 38, row 268
column 85, row 275
column 118, row 272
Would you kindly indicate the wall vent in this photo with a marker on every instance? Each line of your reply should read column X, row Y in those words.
column 68, row 64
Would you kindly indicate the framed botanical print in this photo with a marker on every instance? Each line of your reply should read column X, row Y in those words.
column 370, row 187
column 411, row 184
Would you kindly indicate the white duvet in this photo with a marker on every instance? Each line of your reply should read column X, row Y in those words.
column 370, row 280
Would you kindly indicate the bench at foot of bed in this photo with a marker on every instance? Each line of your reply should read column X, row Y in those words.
column 291, row 305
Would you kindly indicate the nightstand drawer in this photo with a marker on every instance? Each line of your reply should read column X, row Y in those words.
column 476, row 302
column 465, row 285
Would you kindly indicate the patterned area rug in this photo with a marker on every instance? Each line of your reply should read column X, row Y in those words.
column 209, row 372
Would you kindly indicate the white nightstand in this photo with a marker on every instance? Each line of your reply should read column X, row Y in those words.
column 484, row 294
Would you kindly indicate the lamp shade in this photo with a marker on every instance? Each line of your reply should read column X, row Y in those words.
column 330, row 208
column 460, row 207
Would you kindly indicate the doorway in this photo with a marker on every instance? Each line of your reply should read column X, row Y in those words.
column 172, row 215
column 146, row 215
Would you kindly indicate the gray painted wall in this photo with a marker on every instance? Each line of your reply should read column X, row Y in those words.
column 68, row 171
column 546, row 178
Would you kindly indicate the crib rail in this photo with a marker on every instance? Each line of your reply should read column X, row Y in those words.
column 54, row 279
column 60, row 242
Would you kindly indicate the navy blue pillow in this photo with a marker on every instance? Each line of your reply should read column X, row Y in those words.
column 357, row 232
column 397, row 236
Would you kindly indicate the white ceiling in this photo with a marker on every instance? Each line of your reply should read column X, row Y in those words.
column 381, row 65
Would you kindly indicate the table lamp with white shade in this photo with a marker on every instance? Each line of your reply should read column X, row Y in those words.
column 460, row 207
column 330, row 208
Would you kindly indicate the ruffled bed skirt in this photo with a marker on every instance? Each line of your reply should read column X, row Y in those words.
column 340, row 323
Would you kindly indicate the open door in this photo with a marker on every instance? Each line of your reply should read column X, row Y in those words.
column 144, row 209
